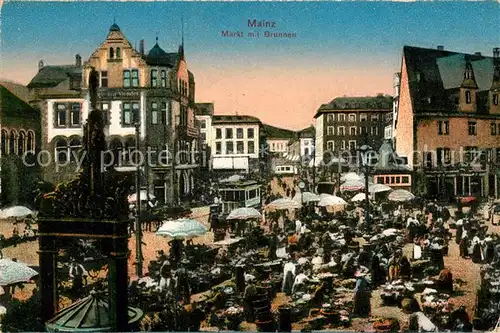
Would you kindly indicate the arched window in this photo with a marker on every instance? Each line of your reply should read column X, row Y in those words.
column 12, row 142
column 115, row 146
column 21, row 143
column 74, row 146
column 118, row 53
column 61, row 151
column 30, row 143
column 5, row 142
column 111, row 53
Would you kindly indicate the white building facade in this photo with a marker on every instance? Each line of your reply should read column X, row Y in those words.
column 234, row 143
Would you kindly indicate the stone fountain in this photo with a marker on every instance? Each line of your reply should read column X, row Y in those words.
column 92, row 206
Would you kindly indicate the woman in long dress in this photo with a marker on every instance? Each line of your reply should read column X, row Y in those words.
column 362, row 296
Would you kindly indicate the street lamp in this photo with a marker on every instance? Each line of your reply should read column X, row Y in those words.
column 365, row 152
column 138, row 228
column 302, row 186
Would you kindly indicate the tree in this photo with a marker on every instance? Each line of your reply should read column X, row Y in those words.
column 421, row 184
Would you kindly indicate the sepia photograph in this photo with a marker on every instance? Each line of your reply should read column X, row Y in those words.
column 206, row 166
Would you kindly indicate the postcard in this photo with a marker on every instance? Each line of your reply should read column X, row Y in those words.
column 249, row 166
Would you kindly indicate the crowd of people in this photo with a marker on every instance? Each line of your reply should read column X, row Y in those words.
column 326, row 266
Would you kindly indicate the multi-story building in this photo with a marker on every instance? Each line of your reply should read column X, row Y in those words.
column 277, row 139
column 306, row 139
column 347, row 123
column 235, row 143
column 20, row 138
column 153, row 91
column 204, row 114
column 448, row 120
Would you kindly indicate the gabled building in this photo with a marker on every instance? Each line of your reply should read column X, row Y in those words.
column 277, row 139
column 448, row 120
column 153, row 91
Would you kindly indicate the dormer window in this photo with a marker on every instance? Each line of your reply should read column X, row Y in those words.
column 467, row 75
column 467, row 97
column 111, row 53
column 163, row 78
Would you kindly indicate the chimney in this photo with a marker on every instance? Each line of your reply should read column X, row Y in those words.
column 440, row 47
column 141, row 47
column 78, row 60
column 478, row 53
column 40, row 64
column 496, row 52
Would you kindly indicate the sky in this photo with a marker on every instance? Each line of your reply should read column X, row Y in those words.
column 339, row 48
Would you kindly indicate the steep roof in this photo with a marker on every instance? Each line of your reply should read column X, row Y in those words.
column 51, row 76
column 223, row 119
column 380, row 102
column 204, row 109
column 17, row 89
column 434, row 75
column 158, row 57
column 308, row 132
column 276, row 132
column 13, row 106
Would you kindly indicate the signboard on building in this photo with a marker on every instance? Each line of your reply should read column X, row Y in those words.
column 230, row 163
column 119, row 94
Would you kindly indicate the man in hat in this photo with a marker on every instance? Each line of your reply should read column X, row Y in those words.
column 183, row 289
column 463, row 245
column 249, row 297
column 289, row 276
column 78, row 274
column 364, row 256
column 300, row 280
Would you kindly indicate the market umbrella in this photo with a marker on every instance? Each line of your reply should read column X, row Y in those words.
column 144, row 194
column 377, row 188
column 351, row 176
column 391, row 232
column 400, row 195
column 182, row 229
column 15, row 211
column 331, row 200
column 359, row 197
column 352, row 185
column 233, row 178
column 306, row 197
column 284, row 203
column 12, row 272
column 244, row 213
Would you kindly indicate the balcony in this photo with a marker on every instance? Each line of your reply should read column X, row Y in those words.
column 189, row 131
